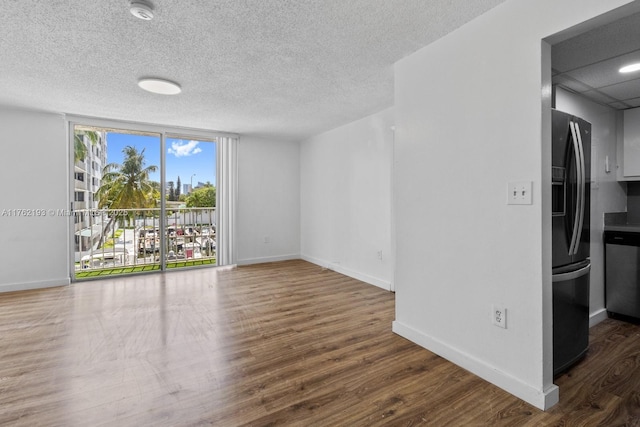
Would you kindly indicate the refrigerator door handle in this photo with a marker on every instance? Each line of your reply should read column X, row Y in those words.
column 576, row 151
column 581, row 188
column 571, row 275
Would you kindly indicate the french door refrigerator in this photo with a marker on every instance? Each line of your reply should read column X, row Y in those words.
column 571, row 166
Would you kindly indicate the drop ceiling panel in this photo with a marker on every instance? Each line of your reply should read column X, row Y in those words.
column 623, row 91
column 589, row 62
column 600, row 97
column 619, row 105
column 602, row 43
column 605, row 73
column 635, row 102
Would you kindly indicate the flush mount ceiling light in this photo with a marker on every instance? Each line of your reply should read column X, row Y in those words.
column 142, row 10
column 630, row 68
column 159, row 86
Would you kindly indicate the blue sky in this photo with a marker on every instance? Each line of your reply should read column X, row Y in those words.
column 184, row 157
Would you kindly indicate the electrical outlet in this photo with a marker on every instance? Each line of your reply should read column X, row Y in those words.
column 380, row 255
column 519, row 193
column 267, row 239
column 499, row 316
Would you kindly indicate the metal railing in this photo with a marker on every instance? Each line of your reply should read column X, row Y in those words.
column 118, row 241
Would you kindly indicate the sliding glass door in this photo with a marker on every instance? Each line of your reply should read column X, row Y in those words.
column 190, row 202
column 142, row 201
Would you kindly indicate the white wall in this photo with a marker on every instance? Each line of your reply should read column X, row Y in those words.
column 268, row 205
column 346, row 199
column 34, row 172
column 607, row 194
column 34, row 165
column 469, row 119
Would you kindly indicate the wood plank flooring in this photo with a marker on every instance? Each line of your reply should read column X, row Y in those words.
column 274, row 344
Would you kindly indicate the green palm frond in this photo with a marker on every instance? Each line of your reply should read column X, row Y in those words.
column 80, row 149
column 127, row 186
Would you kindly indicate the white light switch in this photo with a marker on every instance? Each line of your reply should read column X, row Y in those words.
column 519, row 193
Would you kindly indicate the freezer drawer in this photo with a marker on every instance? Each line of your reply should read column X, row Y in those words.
column 570, row 317
column 622, row 273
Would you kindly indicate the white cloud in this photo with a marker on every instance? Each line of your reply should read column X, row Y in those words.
column 184, row 149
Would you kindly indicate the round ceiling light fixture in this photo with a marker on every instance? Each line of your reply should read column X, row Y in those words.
column 142, row 10
column 630, row 68
column 160, row 86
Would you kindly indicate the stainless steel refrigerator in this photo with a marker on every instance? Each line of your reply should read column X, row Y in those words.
column 571, row 167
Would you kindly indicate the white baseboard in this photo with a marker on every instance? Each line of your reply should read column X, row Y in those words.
column 386, row 285
column 262, row 260
column 25, row 286
column 542, row 399
column 597, row 317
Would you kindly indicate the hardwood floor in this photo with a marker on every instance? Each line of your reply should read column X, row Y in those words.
column 274, row 344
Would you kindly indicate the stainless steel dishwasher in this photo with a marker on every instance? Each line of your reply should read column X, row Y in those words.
column 622, row 273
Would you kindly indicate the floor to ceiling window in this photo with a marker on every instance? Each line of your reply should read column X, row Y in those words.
column 145, row 199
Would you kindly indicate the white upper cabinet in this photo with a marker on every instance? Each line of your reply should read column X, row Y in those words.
column 631, row 146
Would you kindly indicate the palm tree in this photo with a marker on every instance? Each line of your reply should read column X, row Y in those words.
column 127, row 186
column 79, row 147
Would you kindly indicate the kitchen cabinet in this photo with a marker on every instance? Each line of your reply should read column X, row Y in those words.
column 629, row 168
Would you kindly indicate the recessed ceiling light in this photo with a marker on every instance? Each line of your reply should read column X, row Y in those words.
column 160, row 86
column 630, row 68
column 142, row 10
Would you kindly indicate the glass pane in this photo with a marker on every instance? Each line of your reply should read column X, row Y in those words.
column 190, row 202
column 117, row 195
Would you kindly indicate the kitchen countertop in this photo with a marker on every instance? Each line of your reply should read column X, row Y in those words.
column 630, row 228
column 617, row 221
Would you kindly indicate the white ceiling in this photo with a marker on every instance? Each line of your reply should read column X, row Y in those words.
column 588, row 63
column 277, row 68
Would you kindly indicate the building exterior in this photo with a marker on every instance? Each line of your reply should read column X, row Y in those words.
column 87, row 179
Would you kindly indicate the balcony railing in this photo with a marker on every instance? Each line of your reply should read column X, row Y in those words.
column 130, row 240
column 79, row 185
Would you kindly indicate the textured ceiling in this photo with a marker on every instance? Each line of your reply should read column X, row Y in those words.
column 588, row 64
column 277, row 68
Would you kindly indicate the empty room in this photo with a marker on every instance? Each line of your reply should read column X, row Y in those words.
column 319, row 213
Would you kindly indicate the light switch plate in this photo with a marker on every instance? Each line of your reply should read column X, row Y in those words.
column 519, row 193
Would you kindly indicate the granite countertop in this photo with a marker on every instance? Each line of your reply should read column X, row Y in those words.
column 617, row 221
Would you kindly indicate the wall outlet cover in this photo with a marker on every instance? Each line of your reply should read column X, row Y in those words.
column 499, row 316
